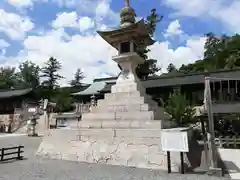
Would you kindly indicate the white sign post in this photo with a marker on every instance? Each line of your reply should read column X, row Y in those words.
column 175, row 140
column 45, row 103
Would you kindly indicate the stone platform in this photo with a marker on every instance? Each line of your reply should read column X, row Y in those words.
column 136, row 147
column 121, row 130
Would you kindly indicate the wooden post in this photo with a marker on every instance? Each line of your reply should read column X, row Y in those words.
column 234, row 142
column 182, row 162
column 2, row 154
column 211, row 134
column 169, row 162
column 205, row 142
column 227, row 141
column 19, row 152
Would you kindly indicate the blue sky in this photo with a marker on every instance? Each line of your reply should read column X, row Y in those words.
column 66, row 29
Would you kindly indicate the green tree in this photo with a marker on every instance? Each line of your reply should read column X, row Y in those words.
column 148, row 68
column 29, row 75
column 51, row 73
column 171, row 68
column 8, row 78
column 63, row 100
column 76, row 82
column 221, row 52
column 179, row 109
column 152, row 21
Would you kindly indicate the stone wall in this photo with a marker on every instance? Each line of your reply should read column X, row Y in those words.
column 126, row 147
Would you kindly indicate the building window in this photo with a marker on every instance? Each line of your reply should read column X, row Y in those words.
column 125, row 47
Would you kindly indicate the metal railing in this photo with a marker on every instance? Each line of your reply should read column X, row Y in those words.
column 228, row 142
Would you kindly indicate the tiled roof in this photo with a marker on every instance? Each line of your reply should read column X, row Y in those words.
column 94, row 88
column 107, row 87
column 14, row 93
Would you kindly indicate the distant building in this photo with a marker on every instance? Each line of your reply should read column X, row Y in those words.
column 225, row 93
column 14, row 106
column 11, row 100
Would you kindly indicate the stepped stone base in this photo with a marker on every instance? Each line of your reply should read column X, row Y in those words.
column 125, row 147
column 123, row 129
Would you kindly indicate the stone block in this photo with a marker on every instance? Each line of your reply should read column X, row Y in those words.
column 132, row 148
column 122, row 108
column 98, row 116
column 119, row 88
column 115, row 124
column 136, row 133
column 148, row 124
column 143, row 115
column 121, row 95
column 63, row 134
column 136, row 115
column 97, row 132
column 70, row 157
column 90, row 124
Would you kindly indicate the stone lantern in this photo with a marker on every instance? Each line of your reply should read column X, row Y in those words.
column 32, row 122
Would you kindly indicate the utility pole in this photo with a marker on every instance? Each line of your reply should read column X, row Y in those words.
column 211, row 132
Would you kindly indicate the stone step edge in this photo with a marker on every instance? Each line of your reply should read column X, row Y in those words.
column 117, row 125
column 111, row 133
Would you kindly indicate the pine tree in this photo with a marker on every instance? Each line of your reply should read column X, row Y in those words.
column 76, row 82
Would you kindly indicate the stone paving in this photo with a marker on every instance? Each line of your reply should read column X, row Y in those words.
column 34, row 168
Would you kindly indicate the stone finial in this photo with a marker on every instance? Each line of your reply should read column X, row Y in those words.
column 127, row 15
column 127, row 4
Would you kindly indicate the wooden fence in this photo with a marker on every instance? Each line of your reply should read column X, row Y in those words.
column 228, row 142
column 15, row 152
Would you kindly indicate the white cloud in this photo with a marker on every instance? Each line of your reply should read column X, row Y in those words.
column 3, row 44
column 74, row 52
column 223, row 10
column 20, row 3
column 102, row 9
column 14, row 25
column 85, row 51
column 65, row 20
column 174, row 28
column 230, row 15
column 193, row 51
column 71, row 20
column 85, row 23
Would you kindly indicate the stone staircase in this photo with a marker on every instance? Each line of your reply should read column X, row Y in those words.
column 123, row 129
column 126, row 105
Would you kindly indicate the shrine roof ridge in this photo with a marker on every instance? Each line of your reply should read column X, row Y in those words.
column 14, row 92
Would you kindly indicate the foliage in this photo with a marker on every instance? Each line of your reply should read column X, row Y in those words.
column 148, row 68
column 50, row 72
column 179, row 109
column 63, row 101
column 76, row 82
column 7, row 78
column 51, row 76
column 29, row 75
column 152, row 21
column 220, row 53
column 227, row 125
column 171, row 68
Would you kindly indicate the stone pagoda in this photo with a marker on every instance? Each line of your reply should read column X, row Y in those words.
column 125, row 127
column 128, row 99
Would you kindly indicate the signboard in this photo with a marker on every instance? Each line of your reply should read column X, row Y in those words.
column 175, row 141
column 45, row 103
column 32, row 110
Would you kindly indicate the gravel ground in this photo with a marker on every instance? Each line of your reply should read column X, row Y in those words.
column 35, row 168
